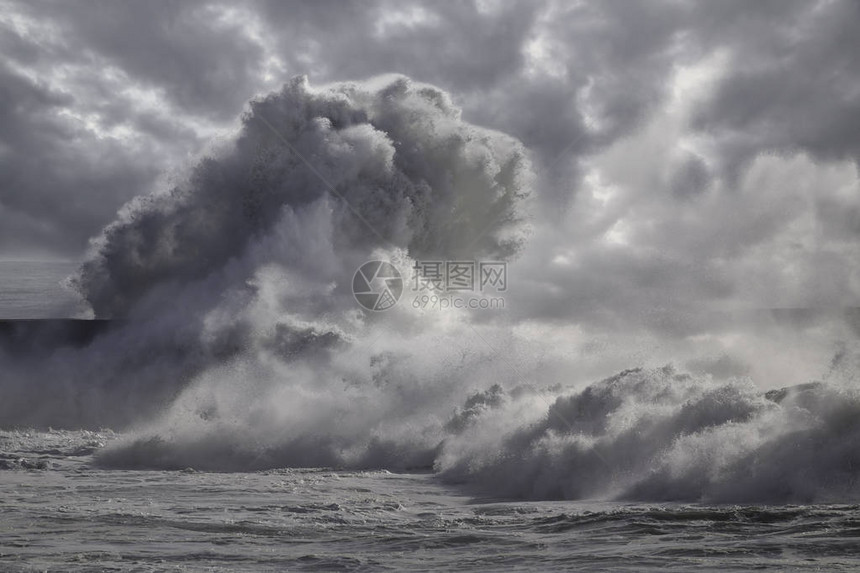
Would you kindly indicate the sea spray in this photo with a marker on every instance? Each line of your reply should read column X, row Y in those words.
column 245, row 265
column 664, row 435
column 241, row 347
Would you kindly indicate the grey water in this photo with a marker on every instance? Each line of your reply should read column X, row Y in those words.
column 35, row 289
column 60, row 512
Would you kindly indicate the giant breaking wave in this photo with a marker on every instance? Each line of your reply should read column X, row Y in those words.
column 238, row 345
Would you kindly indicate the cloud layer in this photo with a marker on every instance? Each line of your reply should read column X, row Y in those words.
column 645, row 121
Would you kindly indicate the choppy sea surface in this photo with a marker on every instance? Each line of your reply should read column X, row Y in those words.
column 59, row 512
column 34, row 289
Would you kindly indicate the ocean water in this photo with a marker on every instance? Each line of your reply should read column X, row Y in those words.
column 61, row 512
column 34, row 289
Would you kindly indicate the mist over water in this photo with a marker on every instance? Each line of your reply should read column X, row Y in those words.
column 242, row 348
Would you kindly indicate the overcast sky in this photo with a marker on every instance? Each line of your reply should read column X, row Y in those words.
column 688, row 154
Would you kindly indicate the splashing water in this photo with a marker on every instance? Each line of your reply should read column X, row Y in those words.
column 241, row 348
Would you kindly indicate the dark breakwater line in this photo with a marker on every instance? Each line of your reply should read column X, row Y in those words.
column 28, row 334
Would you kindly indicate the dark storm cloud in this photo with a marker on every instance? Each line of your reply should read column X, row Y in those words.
column 453, row 44
column 54, row 188
column 691, row 177
column 793, row 84
column 204, row 62
column 595, row 73
column 660, row 233
column 76, row 139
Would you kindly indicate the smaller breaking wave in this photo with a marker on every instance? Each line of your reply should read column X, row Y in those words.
column 664, row 435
